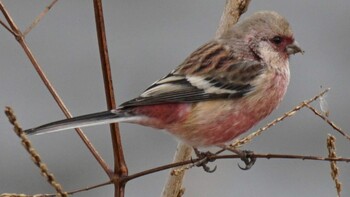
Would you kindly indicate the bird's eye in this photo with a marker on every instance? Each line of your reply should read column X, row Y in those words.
column 277, row 40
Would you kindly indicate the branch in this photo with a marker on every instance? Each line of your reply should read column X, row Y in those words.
column 232, row 11
column 55, row 195
column 39, row 17
column 173, row 186
column 120, row 167
column 8, row 28
column 332, row 124
column 49, row 86
column 233, row 156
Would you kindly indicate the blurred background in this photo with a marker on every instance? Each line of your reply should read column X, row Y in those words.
column 147, row 39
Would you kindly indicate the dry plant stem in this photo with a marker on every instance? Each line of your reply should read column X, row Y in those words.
column 24, row 195
column 334, row 168
column 120, row 168
column 84, row 189
column 232, row 11
column 54, row 195
column 290, row 113
column 325, row 118
column 22, row 42
column 8, row 28
column 173, row 186
column 39, row 17
column 33, row 154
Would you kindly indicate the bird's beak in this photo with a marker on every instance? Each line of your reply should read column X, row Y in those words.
column 294, row 48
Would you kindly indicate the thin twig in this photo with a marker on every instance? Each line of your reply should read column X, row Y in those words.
column 33, row 153
column 52, row 90
column 234, row 156
column 334, row 168
column 120, row 167
column 39, row 17
column 8, row 28
column 25, row 195
column 290, row 113
column 54, row 195
column 332, row 124
column 9, row 18
column 90, row 187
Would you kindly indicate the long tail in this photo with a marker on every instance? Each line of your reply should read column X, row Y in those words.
column 105, row 117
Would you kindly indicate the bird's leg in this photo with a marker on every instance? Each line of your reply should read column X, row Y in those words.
column 205, row 158
column 246, row 156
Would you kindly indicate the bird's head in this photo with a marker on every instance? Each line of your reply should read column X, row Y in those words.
column 267, row 34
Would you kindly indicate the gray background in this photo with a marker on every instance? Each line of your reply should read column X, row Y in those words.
column 147, row 39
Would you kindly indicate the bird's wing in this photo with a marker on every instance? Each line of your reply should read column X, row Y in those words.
column 210, row 72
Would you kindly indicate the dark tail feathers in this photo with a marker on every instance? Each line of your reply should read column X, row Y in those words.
column 105, row 117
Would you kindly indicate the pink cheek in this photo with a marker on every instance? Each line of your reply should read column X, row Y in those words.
column 286, row 41
column 283, row 46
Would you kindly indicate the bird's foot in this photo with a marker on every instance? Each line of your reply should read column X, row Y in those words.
column 246, row 156
column 205, row 158
column 248, row 159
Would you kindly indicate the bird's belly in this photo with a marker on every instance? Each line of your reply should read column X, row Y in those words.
column 215, row 122
column 220, row 121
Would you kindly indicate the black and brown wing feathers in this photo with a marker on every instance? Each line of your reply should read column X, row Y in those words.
column 211, row 72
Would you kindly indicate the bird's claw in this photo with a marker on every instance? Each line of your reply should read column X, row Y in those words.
column 246, row 156
column 248, row 159
column 205, row 158
column 205, row 167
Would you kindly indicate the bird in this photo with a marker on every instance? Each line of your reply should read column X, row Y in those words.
column 218, row 92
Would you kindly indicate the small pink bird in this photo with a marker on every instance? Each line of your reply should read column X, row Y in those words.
column 219, row 92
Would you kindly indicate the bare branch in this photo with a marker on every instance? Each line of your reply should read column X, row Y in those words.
column 332, row 124
column 39, row 17
column 233, row 156
column 8, row 18
column 54, row 195
column 51, row 89
column 8, row 28
column 120, row 167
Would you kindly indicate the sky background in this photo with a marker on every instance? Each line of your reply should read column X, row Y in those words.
column 147, row 39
